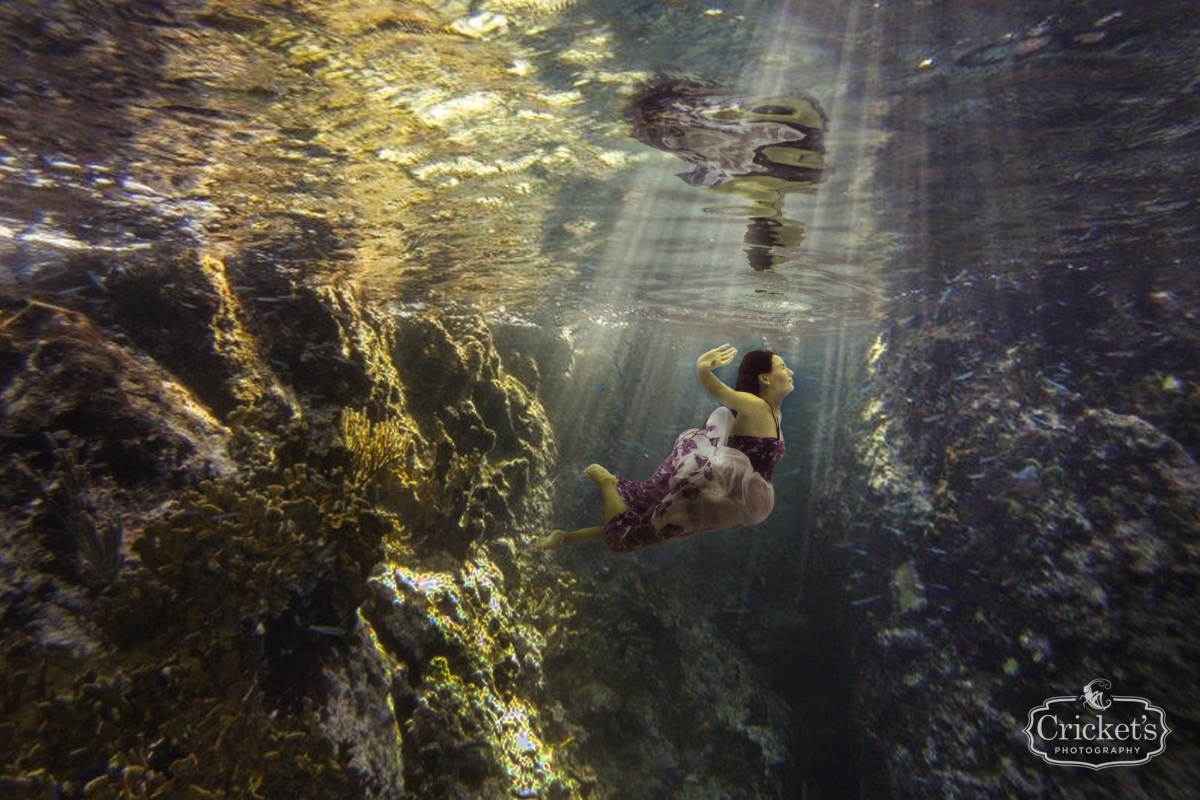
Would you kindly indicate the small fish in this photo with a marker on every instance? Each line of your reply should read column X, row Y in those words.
column 1030, row 473
column 474, row 744
column 327, row 630
column 862, row 601
column 228, row 515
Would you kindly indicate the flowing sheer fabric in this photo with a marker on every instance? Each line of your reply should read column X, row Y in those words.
column 710, row 482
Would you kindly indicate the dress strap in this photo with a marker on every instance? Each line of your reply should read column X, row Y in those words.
column 778, row 434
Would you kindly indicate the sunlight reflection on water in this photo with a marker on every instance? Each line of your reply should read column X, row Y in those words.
column 491, row 168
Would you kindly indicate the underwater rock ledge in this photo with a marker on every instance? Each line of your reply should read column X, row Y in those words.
column 188, row 546
column 1004, row 536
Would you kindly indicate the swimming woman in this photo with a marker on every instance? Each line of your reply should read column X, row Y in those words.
column 717, row 477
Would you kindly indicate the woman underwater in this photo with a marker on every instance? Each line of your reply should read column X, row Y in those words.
column 717, row 477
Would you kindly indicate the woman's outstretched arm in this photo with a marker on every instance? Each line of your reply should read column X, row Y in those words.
column 741, row 402
column 713, row 385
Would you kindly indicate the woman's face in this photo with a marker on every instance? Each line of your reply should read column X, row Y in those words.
column 779, row 375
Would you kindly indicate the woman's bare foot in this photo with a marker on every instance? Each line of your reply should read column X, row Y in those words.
column 554, row 540
column 600, row 476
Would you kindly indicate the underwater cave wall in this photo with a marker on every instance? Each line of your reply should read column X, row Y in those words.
column 1019, row 514
column 193, row 527
column 1018, row 517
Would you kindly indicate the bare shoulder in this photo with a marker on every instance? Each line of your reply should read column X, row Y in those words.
column 754, row 416
column 747, row 404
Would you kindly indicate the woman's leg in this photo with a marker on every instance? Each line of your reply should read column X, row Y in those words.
column 564, row 538
column 613, row 505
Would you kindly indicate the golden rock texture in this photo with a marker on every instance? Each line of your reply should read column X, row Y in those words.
column 215, row 647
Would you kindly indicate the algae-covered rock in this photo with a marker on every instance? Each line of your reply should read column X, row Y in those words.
column 467, row 693
column 133, row 416
column 658, row 702
column 1008, row 535
column 221, row 648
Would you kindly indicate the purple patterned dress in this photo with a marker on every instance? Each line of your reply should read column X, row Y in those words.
column 710, row 482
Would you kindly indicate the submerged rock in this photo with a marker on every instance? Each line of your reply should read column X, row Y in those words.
column 221, row 647
column 1044, row 543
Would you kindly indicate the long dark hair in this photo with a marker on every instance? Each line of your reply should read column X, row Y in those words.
column 754, row 363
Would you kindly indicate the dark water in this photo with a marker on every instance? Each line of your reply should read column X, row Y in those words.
column 1004, row 175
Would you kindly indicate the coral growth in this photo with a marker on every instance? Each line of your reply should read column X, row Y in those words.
column 223, row 626
column 374, row 446
column 467, row 703
column 217, row 649
column 67, row 495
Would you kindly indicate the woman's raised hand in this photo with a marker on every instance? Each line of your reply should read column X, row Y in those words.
column 716, row 358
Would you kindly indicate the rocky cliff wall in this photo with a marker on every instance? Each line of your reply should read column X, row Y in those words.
column 195, row 524
column 1015, row 521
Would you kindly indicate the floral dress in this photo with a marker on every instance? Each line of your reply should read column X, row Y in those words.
column 710, row 482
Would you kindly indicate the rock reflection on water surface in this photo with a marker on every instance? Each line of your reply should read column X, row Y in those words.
column 407, row 145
